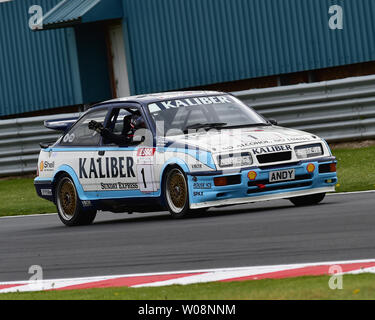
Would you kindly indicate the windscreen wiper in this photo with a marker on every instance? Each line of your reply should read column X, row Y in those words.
column 209, row 125
column 246, row 125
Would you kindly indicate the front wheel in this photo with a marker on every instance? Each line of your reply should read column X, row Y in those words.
column 308, row 200
column 176, row 196
column 69, row 206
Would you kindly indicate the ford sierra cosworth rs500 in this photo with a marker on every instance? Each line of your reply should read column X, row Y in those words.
column 180, row 151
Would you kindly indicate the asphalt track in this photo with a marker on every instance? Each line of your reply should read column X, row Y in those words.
column 276, row 232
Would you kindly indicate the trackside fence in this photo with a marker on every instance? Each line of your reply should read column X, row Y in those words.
column 339, row 110
column 19, row 143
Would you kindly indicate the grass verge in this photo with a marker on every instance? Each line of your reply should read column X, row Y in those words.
column 360, row 286
column 18, row 197
column 355, row 169
column 356, row 172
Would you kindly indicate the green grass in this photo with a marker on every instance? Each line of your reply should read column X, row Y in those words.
column 18, row 197
column 302, row 288
column 356, row 172
column 355, row 169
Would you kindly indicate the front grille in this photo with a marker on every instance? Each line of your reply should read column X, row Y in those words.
column 273, row 187
column 274, row 157
column 258, row 186
column 266, row 181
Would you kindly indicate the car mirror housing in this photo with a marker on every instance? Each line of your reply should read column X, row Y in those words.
column 273, row 122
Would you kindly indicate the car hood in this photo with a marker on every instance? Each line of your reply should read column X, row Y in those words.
column 217, row 141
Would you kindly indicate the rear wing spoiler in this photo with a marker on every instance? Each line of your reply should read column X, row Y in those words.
column 60, row 124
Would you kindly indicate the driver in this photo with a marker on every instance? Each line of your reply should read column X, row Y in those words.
column 131, row 123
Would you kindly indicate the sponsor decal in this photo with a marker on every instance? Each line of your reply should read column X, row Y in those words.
column 271, row 149
column 196, row 166
column 108, row 167
column 198, row 193
column 128, row 186
column 255, row 143
column 119, row 186
column 301, row 138
column 248, row 144
column 202, row 185
column 108, row 186
column 69, row 138
column 86, row 203
column 46, row 192
column 46, row 166
column 146, row 152
column 310, row 167
column 252, row 175
column 195, row 101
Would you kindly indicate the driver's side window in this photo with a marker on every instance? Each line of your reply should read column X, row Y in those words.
column 81, row 135
column 119, row 126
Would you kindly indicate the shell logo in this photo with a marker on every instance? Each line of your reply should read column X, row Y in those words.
column 310, row 168
column 41, row 166
column 252, row 175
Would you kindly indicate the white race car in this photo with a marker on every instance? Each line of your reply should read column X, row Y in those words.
column 180, row 151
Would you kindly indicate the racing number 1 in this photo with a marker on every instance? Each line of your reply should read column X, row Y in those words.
column 143, row 177
column 145, row 174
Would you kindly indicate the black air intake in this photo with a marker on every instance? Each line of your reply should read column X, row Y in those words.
column 274, row 157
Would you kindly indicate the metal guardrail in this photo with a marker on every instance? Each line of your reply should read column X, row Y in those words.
column 19, row 143
column 338, row 110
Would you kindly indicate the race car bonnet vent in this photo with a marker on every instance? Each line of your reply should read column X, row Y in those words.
column 274, row 157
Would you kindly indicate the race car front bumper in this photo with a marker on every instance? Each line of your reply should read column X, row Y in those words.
column 44, row 188
column 253, row 184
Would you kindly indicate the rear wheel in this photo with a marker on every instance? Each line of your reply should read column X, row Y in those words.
column 176, row 194
column 69, row 206
column 308, row 200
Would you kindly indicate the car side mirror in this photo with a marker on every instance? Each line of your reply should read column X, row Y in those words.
column 273, row 122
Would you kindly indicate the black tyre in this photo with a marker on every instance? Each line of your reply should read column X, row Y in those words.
column 176, row 194
column 69, row 206
column 308, row 200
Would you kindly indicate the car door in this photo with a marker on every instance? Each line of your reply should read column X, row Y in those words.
column 129, row 167
column 78, row 149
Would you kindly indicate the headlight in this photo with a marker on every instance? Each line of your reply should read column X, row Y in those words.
column 309, row 151
column 235, row 160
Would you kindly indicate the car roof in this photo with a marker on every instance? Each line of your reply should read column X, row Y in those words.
column 161, row 96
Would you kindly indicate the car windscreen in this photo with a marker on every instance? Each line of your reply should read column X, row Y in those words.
column 172, row 117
